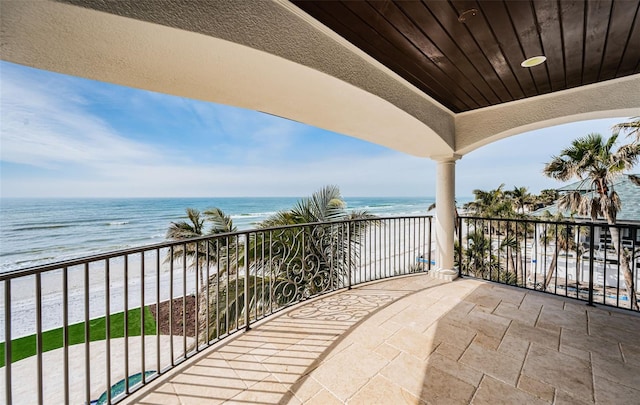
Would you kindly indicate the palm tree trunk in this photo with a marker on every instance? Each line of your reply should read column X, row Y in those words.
column 624, row 265
column 513, row 263
column 552, row 268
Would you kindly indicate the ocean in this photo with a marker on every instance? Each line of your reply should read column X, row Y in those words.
column 40, row 231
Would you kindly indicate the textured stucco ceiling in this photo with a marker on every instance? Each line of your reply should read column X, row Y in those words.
column 270, row 56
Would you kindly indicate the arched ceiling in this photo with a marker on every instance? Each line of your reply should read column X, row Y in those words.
column 378, row 71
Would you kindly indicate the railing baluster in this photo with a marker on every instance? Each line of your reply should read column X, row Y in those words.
column 591, row 251
column 184, row 300
column 65, row 330
column 196, row 304
column 39, row 380
column 246, row 282
column 207, row 320
column 107, row 324
column 169, row 316
column 126, row 323
column 158, row 366
column 87, row 337
column 142, row 311
column 349, row 270
column 7, row 341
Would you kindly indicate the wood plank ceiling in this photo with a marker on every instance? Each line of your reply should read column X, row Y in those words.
column 466, row 54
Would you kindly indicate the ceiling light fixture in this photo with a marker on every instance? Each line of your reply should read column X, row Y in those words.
column 467, row 15
column 533, row 61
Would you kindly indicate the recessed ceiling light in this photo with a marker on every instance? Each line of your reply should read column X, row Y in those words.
column 533, row 61
column 467, row 14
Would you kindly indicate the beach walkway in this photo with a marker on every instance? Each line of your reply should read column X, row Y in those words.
column 419, row 340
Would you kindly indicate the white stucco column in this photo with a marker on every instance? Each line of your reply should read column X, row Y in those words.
column 445, row 217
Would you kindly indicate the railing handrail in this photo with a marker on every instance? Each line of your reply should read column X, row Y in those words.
column 39, row 269
column 575, row 221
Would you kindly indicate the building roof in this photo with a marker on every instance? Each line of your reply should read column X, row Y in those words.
column 628, row 191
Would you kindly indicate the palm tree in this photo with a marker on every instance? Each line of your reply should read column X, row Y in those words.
column 313, row 258
column 288, row 263
column 520, row 197
column 547, row 197
column 593, row 160
column 204, row 253
column 631, row 127
column 193, row 228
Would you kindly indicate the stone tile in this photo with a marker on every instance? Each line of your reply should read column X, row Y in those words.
column 493, row 392
column 543, row 337
column 414, row 318
column 487, row 342
column 248, row 368
column 450, row 351
column 267, row 391
column 630, row 353
column 535, row 301
column 452, row 333
column 512, row 311
column 332, row 374
column 507, row 295
column 387, row 351
column 483, row 298
column 623, row 373
column 577, row 353
column 368, row 335
column 162, row 395
column 560, row 370
column 398, row 372
column 305, row 388
column 381, row 390
column 514, row 347
column 498, row 365
column 537, row 388
column 614, row 321
column 554, row 319
column 443, row 388
column 412, row 342
column 592, row 344
column 461, row 371
column 324, row 397
column 488, row 324
column 610, row 392
column 564, row 398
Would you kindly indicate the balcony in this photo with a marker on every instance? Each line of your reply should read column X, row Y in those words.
column 331, row 312
column 415, row 339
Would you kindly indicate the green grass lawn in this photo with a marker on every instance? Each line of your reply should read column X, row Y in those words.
column 24, row 347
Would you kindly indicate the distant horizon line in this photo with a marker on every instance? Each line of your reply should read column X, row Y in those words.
column 207, row 197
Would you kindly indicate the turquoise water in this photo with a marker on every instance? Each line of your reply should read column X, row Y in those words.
column 39, row 231
column 119, row 387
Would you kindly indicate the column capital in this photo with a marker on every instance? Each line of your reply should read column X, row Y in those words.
column 448, row 158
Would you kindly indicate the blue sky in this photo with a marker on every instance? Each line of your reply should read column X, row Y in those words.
column 62, row 136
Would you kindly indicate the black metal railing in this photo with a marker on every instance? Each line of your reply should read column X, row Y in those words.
column 595, row 262
column 105, row 325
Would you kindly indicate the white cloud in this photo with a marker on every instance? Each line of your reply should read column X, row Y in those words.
column 47, row 126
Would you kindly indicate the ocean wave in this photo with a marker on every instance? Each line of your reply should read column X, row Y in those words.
column 40, row 227
column 117, row 223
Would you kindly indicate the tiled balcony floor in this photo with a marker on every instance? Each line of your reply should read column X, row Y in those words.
column 419, row 340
